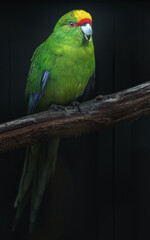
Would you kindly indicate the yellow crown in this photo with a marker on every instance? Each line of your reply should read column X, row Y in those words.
column 81, row 14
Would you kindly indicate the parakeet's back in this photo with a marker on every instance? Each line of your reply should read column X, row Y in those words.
column 62, row 70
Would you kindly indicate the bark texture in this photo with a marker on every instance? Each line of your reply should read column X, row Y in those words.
column 99, row 113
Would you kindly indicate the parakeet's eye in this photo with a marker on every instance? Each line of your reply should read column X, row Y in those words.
column 71, row 24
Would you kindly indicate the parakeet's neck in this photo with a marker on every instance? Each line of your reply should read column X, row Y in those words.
column 60, row 40
column 77, row 50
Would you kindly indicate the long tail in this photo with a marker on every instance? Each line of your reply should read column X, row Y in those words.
column 39, row 165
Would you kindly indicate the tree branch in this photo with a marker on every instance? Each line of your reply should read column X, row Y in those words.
column 99, row 113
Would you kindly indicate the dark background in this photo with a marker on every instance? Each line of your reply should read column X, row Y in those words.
column 100, row 189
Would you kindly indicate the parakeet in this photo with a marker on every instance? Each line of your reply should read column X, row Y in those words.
column 62, row 70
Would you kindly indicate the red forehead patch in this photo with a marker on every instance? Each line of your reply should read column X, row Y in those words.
column 82, row 22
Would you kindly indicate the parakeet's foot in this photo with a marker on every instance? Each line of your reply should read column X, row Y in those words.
column 56, row 107
column 76, row 104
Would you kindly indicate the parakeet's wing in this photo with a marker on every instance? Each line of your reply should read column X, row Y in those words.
column 35, row 97
column 89, row 87
column 41, row 63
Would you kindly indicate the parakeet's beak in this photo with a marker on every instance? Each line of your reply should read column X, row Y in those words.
column 87, row 31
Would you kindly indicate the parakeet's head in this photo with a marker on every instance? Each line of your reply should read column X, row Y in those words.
column 74, row 27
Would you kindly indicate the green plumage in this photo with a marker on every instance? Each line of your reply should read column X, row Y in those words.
column 70, row 61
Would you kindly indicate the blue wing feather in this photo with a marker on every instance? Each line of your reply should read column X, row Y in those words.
column 35, row 97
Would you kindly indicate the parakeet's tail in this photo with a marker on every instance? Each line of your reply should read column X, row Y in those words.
column 38, row 167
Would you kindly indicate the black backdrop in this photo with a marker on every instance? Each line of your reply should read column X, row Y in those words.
column 100, row 189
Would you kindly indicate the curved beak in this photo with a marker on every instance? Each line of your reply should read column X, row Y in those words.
column 87, row 31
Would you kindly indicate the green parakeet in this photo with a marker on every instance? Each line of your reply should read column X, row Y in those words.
column 62, row 71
